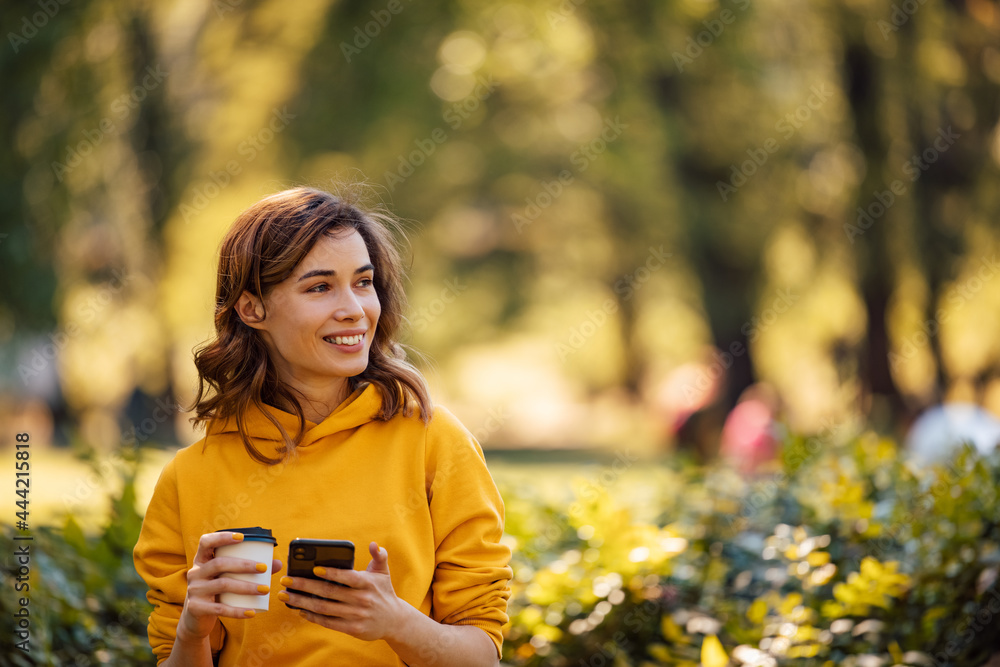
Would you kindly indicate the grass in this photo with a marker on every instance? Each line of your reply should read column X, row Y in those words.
column 61, row 482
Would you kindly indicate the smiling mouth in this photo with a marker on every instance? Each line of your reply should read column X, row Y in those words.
column 345, row 340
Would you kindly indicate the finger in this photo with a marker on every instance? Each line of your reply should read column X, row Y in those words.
column 331, row 622
column 205, row 608
column 323, row 606
column 346, row 625
column 324, row 589
column 380, row 559
column 210, row 541
column 276, row 566
column 227, row 564
column 337, row 575
column 213, row 587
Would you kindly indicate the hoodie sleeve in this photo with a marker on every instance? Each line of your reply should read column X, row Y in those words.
column 472, row 572
column 161, row 560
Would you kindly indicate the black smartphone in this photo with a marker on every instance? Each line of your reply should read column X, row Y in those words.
column 305, row 554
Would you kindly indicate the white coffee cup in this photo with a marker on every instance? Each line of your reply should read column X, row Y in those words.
column 257, row 545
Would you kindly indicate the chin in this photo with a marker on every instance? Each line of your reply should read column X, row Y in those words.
column 353, row 371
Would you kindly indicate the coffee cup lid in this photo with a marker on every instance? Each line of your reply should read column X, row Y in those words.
column 254, row 534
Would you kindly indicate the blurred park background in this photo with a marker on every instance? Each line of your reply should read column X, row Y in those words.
column 625, row 221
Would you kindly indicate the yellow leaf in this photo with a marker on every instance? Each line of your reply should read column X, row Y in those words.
column 791, row 601
column 757, row 612
column 712, row 653
column 934, row 614
column 896, row 652
column 818, row 558
column 661, row 653
column 871, row 568
column 831, row 609
column 672, row 631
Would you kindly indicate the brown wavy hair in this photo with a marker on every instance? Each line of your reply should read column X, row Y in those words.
column 261, row 249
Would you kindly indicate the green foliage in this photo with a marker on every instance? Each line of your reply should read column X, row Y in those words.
column 840, row 554
column 581, row 143
column 843, row 553
column 87, row 603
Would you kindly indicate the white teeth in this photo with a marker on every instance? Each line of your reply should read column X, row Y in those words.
column 345, row 340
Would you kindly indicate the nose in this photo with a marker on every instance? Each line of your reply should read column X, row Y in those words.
column 348, row 307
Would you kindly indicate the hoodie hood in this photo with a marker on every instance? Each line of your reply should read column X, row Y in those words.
column 357, row 409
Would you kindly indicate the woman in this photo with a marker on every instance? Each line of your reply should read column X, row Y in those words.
column 318, row 428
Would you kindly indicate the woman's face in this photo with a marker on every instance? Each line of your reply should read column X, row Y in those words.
column 321, row 320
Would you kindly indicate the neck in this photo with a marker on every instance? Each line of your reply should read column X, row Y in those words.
column 317, row 403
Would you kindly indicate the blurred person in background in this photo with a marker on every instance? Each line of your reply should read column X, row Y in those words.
column 941, row 429
column 751, row 435
column 687, row 403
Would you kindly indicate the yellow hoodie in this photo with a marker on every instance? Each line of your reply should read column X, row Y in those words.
column 421, row 491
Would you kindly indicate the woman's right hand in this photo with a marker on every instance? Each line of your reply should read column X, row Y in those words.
column 205, row 582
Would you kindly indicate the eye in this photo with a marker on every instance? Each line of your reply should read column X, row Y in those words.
column 365, row 282
column 322, row 287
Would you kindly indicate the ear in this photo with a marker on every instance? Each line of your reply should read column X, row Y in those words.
column 250, row 309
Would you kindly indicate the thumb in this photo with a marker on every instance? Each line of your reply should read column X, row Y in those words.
column 380, row 559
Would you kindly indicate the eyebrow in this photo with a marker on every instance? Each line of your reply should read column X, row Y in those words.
column 330, row 272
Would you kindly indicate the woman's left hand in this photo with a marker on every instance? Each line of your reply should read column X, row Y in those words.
column 365, row 606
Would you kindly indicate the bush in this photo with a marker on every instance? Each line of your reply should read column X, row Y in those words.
column 839, row 557
column 87, row 603
column 842, row 556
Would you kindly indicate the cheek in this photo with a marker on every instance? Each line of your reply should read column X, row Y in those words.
column 296, row 328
